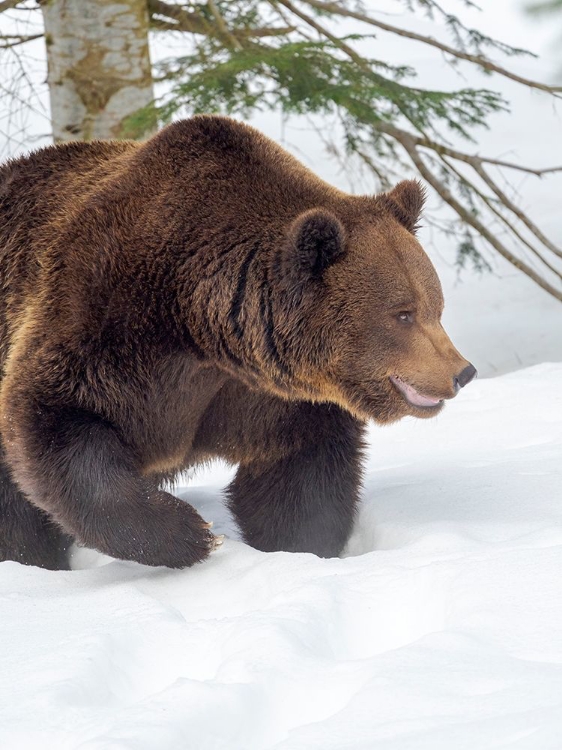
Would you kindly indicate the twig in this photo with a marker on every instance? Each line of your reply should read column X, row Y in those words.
column 512, row 228
column 223, row 28
column 195, row 23
column 440, row 149
column 482, row 62
column 8, row 4
column 408, row 143
column 13, row 40
column 479, row 169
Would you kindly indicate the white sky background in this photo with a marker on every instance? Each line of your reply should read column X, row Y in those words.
column 522, row 324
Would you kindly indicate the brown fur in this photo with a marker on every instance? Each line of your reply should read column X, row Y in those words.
column 200, row 295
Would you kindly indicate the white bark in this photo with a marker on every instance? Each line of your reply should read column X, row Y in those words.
column 98, row 65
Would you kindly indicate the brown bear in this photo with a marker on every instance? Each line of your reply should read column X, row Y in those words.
column 195, row 296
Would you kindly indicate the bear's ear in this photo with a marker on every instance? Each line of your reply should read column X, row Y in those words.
column 316, row 239
column 405, row 202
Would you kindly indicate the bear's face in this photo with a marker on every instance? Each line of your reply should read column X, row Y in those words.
column 377, row 311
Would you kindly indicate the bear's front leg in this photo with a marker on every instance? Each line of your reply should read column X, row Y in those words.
column 305, row 501
column 75, row 466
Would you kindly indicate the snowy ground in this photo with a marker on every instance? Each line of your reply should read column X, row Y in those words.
column 441, row 629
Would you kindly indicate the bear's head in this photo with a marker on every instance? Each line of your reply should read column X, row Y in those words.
column 360, row 309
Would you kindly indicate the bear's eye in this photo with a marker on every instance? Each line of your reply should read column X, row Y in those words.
column 404, row 316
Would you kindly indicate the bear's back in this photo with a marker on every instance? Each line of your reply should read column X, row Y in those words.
column 36, row 192
column 85, row 223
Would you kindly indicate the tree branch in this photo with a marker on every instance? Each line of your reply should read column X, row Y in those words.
column 408, row 143
column 13, row 40
column 489, row 202
column 482, row 62
column 479, row 169
column 323, row 31
column 229, row 39
column 397, row 93
column 349, row 51
column 195, row 23
column 8, row 4
column 425, row 142
column 185, row 20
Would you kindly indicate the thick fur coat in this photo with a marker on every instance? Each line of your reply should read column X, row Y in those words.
column 201, row 295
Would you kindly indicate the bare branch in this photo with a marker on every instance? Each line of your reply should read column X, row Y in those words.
column 230, row 40
column 460, row 155
column 323, row 31
column 478, row 164
column 185, row 20
column 479, row 169
column 491, row 204
column 408, row 143
column 8, row 4
column 382, row 177
column 482, row 62
column 13, row 40
column 191, row 22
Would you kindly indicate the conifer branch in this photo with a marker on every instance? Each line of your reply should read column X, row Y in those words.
column 180, row 19
column 480, row 60
column 409, row 145
column 493, row 206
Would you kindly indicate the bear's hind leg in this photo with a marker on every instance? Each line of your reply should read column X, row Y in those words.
column 306, row 501
column 27, row 534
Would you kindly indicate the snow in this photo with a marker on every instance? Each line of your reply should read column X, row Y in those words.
column 440, row 628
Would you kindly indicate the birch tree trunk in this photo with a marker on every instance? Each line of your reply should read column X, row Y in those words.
column 99, row 69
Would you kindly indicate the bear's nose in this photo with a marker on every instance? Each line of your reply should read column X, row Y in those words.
column 464, row 378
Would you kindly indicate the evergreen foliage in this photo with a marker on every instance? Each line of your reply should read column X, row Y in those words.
column 298, row 57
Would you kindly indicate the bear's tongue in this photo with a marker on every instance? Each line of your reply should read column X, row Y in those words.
column 411, row 395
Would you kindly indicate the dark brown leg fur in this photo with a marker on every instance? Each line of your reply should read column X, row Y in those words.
column 79, row 470
column 306, row 501
column 27, row 535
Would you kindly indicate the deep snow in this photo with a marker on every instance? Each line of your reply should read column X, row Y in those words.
column 441, row 629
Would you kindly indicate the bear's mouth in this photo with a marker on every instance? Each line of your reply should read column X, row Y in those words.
column 414, row 397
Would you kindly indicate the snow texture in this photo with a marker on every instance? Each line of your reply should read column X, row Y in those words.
column 441, row 628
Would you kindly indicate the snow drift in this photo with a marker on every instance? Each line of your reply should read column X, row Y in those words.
column 441, row 628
